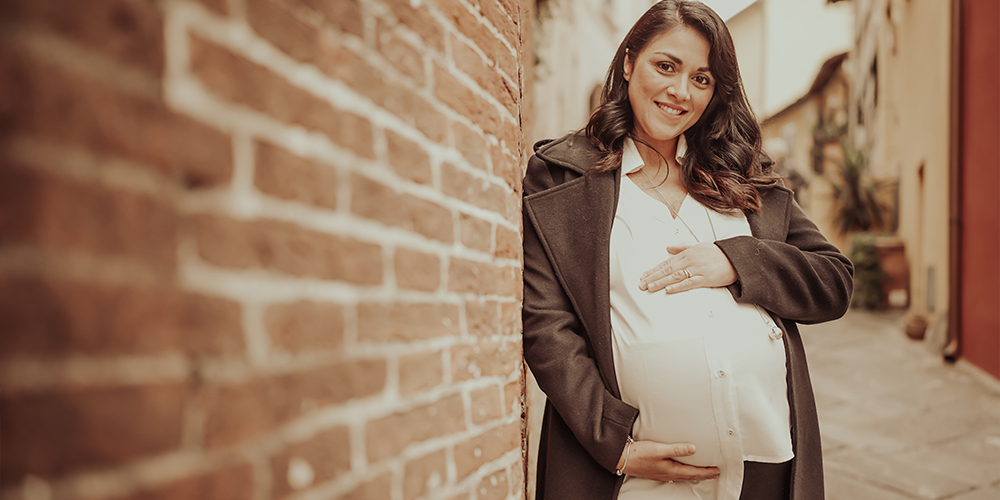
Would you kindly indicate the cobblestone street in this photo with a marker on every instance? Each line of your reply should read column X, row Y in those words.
column 899, row 423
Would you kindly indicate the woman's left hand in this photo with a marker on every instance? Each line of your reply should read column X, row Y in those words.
column 692, row 266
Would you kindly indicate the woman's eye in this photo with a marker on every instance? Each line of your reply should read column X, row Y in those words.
column 665, row 66
column 702, row 80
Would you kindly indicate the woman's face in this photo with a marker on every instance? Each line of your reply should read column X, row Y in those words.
column 669, row 85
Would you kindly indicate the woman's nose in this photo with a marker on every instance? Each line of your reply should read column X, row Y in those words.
column 679, row 90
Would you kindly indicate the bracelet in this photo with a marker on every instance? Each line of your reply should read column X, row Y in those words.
column 628, row 451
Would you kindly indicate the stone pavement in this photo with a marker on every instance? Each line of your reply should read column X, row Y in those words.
column 898, row 423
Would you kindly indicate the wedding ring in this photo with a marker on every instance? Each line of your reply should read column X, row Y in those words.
column 687, row 273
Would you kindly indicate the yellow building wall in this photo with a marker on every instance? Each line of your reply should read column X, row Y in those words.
column 912, row 138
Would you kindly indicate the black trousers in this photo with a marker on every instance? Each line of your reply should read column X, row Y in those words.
column 766, row 481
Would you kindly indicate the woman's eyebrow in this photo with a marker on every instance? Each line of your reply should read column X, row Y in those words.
column 680, row 62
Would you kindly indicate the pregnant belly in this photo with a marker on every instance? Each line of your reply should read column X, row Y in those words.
column 669, row 382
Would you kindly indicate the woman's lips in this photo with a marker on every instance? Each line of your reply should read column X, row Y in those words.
column 672, row 110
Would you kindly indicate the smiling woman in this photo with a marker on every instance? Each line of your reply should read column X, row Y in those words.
column 665, row 268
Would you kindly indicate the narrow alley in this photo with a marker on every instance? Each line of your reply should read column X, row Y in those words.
column 898, row 422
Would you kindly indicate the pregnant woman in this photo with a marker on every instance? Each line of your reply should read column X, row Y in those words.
column 665, row 269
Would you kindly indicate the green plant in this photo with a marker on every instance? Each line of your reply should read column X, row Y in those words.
column 855, row 194
column 867, row 272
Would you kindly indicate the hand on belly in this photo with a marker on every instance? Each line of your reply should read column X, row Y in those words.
column 654, row 460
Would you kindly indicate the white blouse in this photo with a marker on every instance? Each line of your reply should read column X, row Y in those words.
column 700, row 367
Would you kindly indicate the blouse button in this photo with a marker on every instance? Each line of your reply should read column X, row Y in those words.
column 722, row 374
column 711, row 314
column 730, row 432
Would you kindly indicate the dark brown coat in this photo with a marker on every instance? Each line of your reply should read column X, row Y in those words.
column 787, row 267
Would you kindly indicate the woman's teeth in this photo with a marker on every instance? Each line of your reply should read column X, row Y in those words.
column 670, row 110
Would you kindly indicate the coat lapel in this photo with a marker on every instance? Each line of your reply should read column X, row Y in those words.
column 573, row 222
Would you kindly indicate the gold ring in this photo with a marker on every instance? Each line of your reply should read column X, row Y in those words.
column 687, row 273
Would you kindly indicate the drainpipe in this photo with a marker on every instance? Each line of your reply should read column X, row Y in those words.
column 953, row 349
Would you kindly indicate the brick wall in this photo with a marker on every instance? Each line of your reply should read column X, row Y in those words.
column 260, row 249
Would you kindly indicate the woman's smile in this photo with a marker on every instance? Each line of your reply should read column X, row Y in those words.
column 671, row 110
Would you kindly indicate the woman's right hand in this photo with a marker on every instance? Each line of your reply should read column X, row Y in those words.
column 653, row 460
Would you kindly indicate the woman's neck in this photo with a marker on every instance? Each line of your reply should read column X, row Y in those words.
column 661, row 163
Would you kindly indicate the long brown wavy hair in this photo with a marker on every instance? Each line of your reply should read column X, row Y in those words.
column 724, row 167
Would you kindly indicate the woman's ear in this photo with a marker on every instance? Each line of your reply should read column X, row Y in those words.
column 627, row 69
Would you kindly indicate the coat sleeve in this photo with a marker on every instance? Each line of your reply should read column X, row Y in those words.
column 557, row 350
column 804, row 278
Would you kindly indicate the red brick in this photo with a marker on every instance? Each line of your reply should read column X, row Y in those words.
column 373, row 200
column 492, row 487
column 477, row 233
column 481, row 278
column 424, row 475
column 482, row 318
column 241, row 81
column 486, row 404
column 457, row 96
column 513, row 398
column 517, row 479
column 420, row 371
column 53, row 212
column 379, row 488
column 379, row 322
column 59, row 317
column 241, row 411
column 420, row 21
column 507, row 167
column 510, row 318
column 511, row 136
column 305, row 325
column 328, row 455
column 508, row 243
column 469, row 62
column 469, row 188
column 471, row 144
column 388, row 436
column 501, row 20
column 481, row 36
column 56, row 104
column 512, row 7
column 282, row 174
column 405, row 57
column 486, row 447
column 230, row 483
column 344, row 14
column 408, row 159
column 275, row 22
column 52, row 434
column 492, row 359
column 285, row 248
column 397, row 97
column 130, row 32
column 417, row 270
